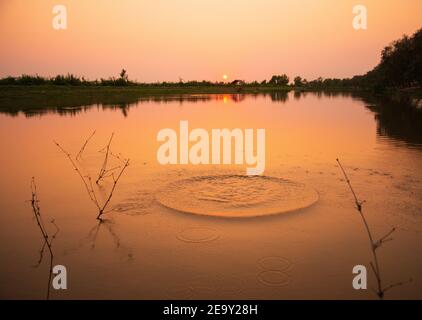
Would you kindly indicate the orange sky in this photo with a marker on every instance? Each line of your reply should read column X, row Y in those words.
column 200, row 39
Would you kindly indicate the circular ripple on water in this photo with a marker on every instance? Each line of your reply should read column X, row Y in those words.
column 275, row 264
column 198, row 235
column 236, row 196
column 274, row 278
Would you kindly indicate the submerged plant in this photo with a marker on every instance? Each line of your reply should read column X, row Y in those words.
column 374, row 244
column 48, row 241
column 115, row 173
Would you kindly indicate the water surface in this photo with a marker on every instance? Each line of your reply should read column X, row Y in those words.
column 147, row 250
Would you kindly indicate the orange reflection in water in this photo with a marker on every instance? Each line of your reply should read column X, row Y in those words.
column 148, row 251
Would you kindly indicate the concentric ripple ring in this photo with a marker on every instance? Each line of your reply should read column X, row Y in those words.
column 236, row 196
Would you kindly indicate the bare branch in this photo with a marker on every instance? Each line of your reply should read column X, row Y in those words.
column 90, row 192
column 384, row 239
column 48, row 242
column 41, row 251
column 357, row 202
column 398, row 284
column 103, row 169
column 84, row 145
column 37, row 213
column 373, row 245
column 104, row 173
column 115, row 181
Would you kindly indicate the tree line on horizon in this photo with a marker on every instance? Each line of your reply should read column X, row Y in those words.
column 400, row 67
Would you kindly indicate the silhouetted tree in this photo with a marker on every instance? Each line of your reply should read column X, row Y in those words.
column 298, row 81
column 282, row 80
column 400, row 66
column 123, row 75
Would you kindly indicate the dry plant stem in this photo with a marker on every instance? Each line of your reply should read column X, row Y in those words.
column 104, row 170
column 88, row 185
column 37, row 213
column 115, row 181
column 41, row 254
column 88, row 181
column 47, row 241
column 375, row 268
column 374, row 244
column 41, row 251
column 84, row 145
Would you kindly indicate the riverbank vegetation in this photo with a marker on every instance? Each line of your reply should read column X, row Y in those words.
column 398, row 73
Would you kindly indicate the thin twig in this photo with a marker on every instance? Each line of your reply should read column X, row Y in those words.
column 358, row 204
column 48, row 241
column 84, row 145
column 104, row 172
column 103, row 169
column 115, row 181
column 90, row 192
column 37, row 213
column 398, row 284
column 41, row 254
column 374, row 244
column 385, row 238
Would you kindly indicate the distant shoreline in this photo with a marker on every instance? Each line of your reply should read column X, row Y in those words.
column 16, row 98
column 22, row 97
column 397, row 76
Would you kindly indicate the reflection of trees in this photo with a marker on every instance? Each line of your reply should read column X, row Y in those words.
column 66, row 107
column 238, row 97
column 279, row 96
column 297, row 95
column 397, row 119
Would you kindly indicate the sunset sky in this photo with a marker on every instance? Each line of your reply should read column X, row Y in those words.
column 157, row 40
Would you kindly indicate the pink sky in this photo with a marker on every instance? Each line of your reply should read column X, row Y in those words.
column 158, row 40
